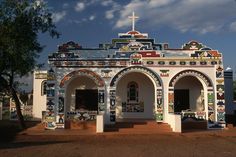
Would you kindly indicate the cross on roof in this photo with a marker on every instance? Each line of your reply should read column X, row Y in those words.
column 133, row 17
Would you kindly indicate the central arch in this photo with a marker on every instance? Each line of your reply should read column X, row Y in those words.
column 137, row 79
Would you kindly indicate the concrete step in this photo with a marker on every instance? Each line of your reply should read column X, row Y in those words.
column 77, row 125
column 138, row 127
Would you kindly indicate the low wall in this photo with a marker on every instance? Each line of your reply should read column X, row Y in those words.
column 100, row 123
column 175, row 122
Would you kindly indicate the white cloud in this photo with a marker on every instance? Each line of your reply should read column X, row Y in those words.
column 65, row 5
column 199, row 16
column 232, row 26
column 109, row 14
column 107, row 2
column 80, row 6
column 92, row 17
column 58, row 16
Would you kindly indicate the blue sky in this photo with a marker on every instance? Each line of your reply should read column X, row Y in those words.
column 90, row 22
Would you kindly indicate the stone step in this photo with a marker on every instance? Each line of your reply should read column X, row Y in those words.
column 143, row 131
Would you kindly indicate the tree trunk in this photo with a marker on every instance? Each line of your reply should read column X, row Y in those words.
column 18, row 108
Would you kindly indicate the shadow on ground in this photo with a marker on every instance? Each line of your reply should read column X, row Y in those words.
column 14, row 145
column 10, row 129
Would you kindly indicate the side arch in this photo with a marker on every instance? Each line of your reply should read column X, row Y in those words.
column 209, row 93
column 195, row 73
column 83, row 72
column 66, row 80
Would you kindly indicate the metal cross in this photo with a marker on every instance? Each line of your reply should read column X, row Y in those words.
column 133, row 17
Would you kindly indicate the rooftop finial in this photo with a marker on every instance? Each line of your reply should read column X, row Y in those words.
column 133, row 17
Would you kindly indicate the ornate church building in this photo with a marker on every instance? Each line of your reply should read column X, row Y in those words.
column 132, row 77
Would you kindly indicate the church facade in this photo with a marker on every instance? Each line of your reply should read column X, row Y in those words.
column 133, row 77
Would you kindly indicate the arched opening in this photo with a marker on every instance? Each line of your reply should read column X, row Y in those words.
column 135, row 97
column 188, row 95
column 189, row 101
column 81, row 95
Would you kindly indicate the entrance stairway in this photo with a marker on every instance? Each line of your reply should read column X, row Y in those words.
column 138, row 127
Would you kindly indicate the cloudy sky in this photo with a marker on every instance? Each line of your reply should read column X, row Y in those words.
column 90, row 22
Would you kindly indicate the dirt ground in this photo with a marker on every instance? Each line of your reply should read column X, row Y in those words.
column 192, row 144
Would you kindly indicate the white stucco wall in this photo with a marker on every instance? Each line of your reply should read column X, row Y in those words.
column 146, row 95
column 39, row 100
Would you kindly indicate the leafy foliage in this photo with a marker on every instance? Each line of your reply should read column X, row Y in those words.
column 20, row 23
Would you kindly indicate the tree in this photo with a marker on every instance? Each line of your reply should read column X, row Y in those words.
column 20, row 23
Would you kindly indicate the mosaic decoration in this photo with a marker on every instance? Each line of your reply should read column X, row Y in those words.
column 136, row 59
column 133, row 107
column 203, row 63
column 50, row 121
column 192, row 63
column 150, row 62
column 49, row 115
column 164, row 73
column 171, row 102
column 159, row 105
column 51, row 75
column 213, row 62
column 149, row 53
column 161, row 62
column 50, row 89
column 182, row 63
column 220, row 96
column 41, row 76
column 81, row 115
column 69, row 46
column 101, row 100
column 106, row 73
column 136, row 69
column 193, row 45
column 211, row 115
column 219, row 72
column 190, row 72
column 61, row 104
column 206, row 53
column 83, row 72
column 197, row 116
column 123, row 63
column 172, row 63
column 112, row 116
column 112, row 105
column 60, row 120
column 133, row 45
column 50, row 105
